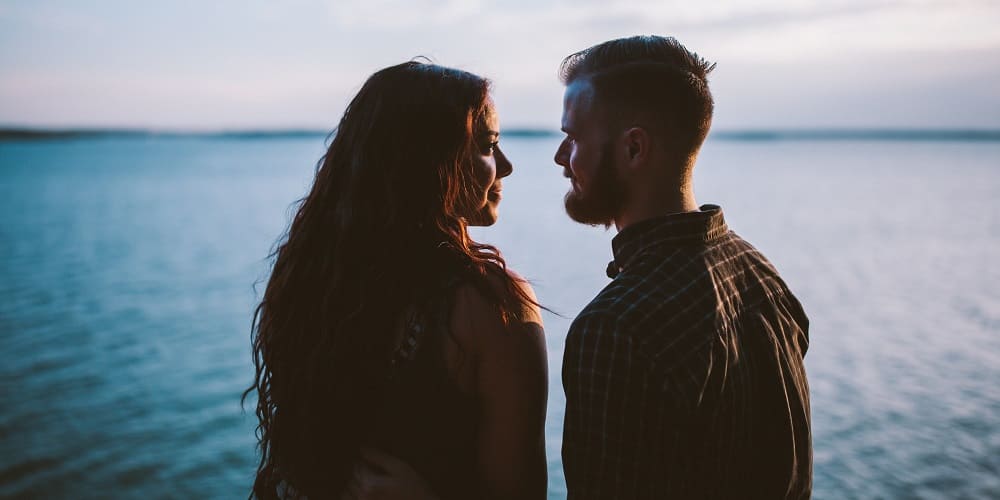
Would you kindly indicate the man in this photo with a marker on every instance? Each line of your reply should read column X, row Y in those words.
column 684, row 377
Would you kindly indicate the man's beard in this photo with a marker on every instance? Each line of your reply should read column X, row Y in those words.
column 604, row 196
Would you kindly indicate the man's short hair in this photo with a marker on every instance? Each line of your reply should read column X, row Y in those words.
column 650, row 79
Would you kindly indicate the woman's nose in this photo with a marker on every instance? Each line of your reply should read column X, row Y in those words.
column 504, row 166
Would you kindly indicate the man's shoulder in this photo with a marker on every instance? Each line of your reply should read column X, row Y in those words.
column 736, row 244
column 602, row 321
column 666, row 301
column 644, row 310
column 659, row 285
column 615, row 305
column 670, row 351
column 603, row 311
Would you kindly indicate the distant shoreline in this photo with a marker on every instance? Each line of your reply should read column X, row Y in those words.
column 918, row 135
column 12, row 134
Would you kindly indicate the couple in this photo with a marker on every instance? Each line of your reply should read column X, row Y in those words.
column 398, row 358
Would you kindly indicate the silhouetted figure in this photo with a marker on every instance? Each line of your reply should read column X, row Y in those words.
column 684, row 376
column 384, row 328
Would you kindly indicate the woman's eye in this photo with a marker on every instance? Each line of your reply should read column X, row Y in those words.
column 491, row 147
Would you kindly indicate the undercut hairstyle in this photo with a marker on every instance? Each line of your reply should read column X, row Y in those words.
column 652, row 81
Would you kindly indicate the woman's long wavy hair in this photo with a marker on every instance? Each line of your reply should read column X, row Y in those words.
column 385, row 215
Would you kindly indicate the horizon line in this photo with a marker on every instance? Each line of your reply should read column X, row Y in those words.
column 747, row 134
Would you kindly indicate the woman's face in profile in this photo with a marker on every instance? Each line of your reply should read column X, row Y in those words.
column 490, row 165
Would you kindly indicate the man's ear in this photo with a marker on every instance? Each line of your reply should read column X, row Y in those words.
column 637, row 145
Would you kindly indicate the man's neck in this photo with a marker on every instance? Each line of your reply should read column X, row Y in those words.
column 647, row 205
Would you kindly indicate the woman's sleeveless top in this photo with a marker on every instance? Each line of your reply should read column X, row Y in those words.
column 425, row 419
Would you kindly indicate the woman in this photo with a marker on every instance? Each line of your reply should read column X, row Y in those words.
column 384, row 325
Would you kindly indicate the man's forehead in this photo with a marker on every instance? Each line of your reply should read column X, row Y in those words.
column 579, row 93
column 578, row 99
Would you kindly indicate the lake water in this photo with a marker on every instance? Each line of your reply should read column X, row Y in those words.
column 127, row 272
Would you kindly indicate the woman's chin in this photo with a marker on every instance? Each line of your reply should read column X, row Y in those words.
column 485, row 217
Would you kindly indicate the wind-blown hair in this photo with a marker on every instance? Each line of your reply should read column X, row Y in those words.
column 650, row 78
column 385, row 215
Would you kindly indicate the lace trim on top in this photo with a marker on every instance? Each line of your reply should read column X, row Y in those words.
column 407, row 349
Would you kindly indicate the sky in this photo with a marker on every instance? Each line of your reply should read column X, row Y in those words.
column 250, row 64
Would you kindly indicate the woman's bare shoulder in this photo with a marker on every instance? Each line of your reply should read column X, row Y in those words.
column 511, row 383
column 476, row 317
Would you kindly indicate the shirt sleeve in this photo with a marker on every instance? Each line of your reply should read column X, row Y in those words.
column 605, row 383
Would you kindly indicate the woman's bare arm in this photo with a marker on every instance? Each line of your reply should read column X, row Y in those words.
column 510, row 379
column 511, row 385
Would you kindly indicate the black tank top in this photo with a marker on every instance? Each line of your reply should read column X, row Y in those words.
column 425, row 419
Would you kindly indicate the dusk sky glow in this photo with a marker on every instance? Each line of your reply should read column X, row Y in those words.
column 252, row 65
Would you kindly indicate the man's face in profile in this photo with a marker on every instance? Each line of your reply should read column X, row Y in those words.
column 587, row 156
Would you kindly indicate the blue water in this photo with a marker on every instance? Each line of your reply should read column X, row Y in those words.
column 127, row 271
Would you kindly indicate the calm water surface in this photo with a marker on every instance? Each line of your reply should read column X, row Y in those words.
column 127, row 271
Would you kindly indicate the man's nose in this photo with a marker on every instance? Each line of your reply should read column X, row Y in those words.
column 561, row 157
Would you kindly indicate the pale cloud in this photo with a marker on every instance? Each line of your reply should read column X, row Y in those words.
column 48, row 17
column 874, row 32
column 393, row 14
column 242, row 63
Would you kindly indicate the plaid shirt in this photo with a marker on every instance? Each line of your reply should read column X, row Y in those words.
column 684, row 376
